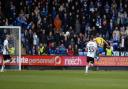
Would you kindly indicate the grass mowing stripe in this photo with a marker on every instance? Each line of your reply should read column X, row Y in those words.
column 64, row 80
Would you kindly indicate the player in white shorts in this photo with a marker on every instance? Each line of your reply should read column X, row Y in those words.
column 91, row 53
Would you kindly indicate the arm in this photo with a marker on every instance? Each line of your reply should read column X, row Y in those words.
column 106, row 43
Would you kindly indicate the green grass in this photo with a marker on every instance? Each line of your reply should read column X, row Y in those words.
column 55, row 79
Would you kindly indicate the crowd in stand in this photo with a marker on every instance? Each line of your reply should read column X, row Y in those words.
column 63, row 27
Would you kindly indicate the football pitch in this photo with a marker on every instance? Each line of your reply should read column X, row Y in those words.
column 64, row 79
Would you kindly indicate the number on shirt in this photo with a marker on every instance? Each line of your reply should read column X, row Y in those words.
column 91, row 49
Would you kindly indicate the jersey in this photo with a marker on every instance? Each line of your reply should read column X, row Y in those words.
column 5, row 48
column 91, row 49
column 100, row 41
column 108, row 52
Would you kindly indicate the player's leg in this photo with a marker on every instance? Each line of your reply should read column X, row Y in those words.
column 91, row 62
column 6, row 59
column 2, row 67
column 11, row 59
column 87, row 66
column 3, row 63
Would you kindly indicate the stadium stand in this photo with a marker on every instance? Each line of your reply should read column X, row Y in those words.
column 62, row 23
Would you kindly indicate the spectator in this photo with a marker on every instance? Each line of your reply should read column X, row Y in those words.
column 42, row 36
column 122, row 44
column 57, row 23
column 116, row 34
column 66, row 41
column 44, row 23
column 126, row 31
column 61, row 50
column 34, row 50
column 26, row 41
column 65, row 22
column 83, row 24
column 54, row 13
column 76, row 49
column 70, row 50
column 44, row 11
column 50, row 37
column 30, row 41
column 52, row 49
column 29, row 26
column 57, row 38
column 77, row 25
column 42, row 49
column 122, row 31
column 115, row 42
column 110, row 29
column 126, row 43
column 35, row 42
column 108, row 51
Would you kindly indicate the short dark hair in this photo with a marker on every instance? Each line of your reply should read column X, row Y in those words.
column 91, row 38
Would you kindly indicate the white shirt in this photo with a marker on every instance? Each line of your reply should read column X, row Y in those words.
column 92, row 48
column 5, row 51
column 35, row 39
column 122, row 42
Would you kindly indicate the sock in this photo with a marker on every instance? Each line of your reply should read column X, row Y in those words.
column 2, row 69
column 87, row 69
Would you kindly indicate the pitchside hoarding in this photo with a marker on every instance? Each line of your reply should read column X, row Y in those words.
column 51, row 61
column 68, row 61
column 112, row 61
